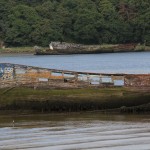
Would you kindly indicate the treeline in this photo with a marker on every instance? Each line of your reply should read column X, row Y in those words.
column 30, row 22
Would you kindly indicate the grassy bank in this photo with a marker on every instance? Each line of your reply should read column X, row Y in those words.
column 71, row 100
column 15, row 50
column 142, row 47
column 104, row 47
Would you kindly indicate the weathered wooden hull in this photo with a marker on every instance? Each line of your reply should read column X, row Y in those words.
column 49, row 90
column 16, row 75
column 62, row 49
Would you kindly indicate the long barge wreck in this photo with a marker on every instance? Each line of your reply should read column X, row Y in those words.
column 62, row 48
column 42, row 89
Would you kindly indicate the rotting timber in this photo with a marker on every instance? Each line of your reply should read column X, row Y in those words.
column 47, row 90
column 61, row 48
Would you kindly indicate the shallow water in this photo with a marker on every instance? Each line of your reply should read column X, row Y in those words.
column 92, row 131
column 132, row 62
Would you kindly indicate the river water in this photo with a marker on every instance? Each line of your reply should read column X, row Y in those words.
column 103, row 63
column 92, row 131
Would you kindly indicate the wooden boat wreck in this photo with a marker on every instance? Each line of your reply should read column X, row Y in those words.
column 32, row 89
column 60, row 48
column 12, row 75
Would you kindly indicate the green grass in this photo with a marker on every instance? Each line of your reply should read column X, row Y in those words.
column 18, row 50
column 71, row 99
column 142, row 47
column 26, row 92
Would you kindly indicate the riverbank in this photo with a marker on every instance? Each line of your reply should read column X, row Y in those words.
column 75, row 100
column 17, row 50
column 105, row 48
column 62, row 48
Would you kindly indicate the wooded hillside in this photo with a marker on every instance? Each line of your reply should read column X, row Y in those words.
column 30, row 22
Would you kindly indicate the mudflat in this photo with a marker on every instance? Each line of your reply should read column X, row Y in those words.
column 74, row 100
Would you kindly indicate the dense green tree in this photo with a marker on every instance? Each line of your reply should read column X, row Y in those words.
column 108, row 22
column 141, row 21
column 85, row 22
column 22, row 21
column 44, row 33
column 30, row 22
column 5, row 6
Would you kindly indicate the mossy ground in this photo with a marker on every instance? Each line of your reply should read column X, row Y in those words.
column 71, row 99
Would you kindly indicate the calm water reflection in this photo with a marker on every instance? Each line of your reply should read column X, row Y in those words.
column 75, row 131
column 107, row 63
